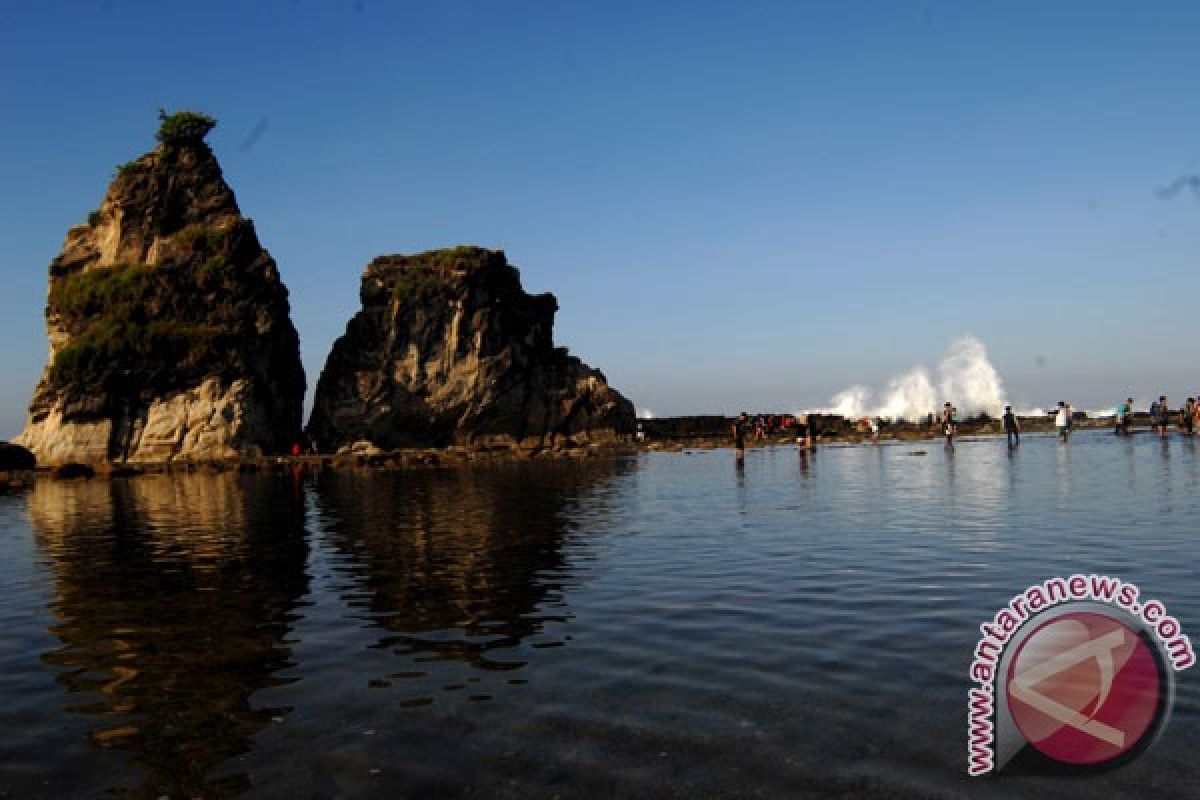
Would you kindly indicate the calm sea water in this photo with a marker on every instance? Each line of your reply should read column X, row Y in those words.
column 657, row 626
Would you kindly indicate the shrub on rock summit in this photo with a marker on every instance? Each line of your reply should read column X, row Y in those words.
column 183, row 127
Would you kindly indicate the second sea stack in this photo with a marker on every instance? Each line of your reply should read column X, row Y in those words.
column 448, row 349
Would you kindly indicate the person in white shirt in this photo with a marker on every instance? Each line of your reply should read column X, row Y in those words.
column 1062, row 421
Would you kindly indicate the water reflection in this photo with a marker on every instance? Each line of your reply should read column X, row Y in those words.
column 173, row 599
column 461, row 566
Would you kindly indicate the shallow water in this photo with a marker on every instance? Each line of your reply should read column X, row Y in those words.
column 656, row 626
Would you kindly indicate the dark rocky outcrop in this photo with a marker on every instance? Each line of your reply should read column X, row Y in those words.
column 14, row 458
column 169, row 326
column 449, row 349
column 70, row 471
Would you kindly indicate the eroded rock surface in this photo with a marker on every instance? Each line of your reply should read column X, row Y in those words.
column 448, row 349
column 169, row 326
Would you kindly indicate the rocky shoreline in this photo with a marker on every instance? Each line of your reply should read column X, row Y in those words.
column 400, row 459
column 671, row 435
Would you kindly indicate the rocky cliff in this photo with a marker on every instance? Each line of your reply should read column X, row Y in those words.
column 168, row 323
column 449, row 349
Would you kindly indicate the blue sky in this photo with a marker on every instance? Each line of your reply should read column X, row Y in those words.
column 738, row 205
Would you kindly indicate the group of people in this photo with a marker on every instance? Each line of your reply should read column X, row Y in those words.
column 804, row 426
column 1160, row 416
column 1188, row 417
column 1064, row 423
column 1064, row 419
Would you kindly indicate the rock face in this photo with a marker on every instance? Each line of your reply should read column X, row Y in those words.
column 449, row 349
column 168, row 325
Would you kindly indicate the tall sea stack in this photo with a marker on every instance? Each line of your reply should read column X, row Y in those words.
column 449, row 349
column 168, row 323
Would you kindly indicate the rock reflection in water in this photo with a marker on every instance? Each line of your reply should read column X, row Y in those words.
column 459, row 566
column 173, row 600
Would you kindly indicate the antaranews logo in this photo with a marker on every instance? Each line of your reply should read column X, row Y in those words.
column 1077, row 668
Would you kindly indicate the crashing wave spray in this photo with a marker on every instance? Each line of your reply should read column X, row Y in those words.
column 968, row 380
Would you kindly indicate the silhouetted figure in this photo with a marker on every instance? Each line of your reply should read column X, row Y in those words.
column 1012, row 428
column 739, row 438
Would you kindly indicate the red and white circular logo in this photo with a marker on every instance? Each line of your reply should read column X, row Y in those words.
column 1084, row 688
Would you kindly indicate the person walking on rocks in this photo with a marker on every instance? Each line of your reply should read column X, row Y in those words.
column 1012, row 429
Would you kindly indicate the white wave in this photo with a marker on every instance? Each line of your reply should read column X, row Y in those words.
column 967, row 379
column 849, row 403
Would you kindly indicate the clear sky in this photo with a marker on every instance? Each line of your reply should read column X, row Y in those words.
column 738, row 205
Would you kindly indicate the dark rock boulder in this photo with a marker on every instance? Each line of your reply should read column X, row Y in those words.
column 14, row 458
column 71, row 471
column 448, row 349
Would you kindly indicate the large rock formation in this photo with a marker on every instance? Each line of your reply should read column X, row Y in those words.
column 168, row 323
column 449, row 349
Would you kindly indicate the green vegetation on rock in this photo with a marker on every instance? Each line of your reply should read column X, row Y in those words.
column 461, row 257
column 201, row 238
column 172, row 323
column 111, row 340
column 103, row 291
column 417, row 281
column 183, row 127
column 424, row 274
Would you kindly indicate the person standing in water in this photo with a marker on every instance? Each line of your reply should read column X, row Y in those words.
column 1012, row 429
column 949, row 423
column 1119, row 421
column 1187, row 416
column 810, row 432
column 1160, row 411
column 1062, row 422
column 739, row 438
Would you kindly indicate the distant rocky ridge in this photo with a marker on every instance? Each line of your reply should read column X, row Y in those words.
column 448, row 349
column 169, row 326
